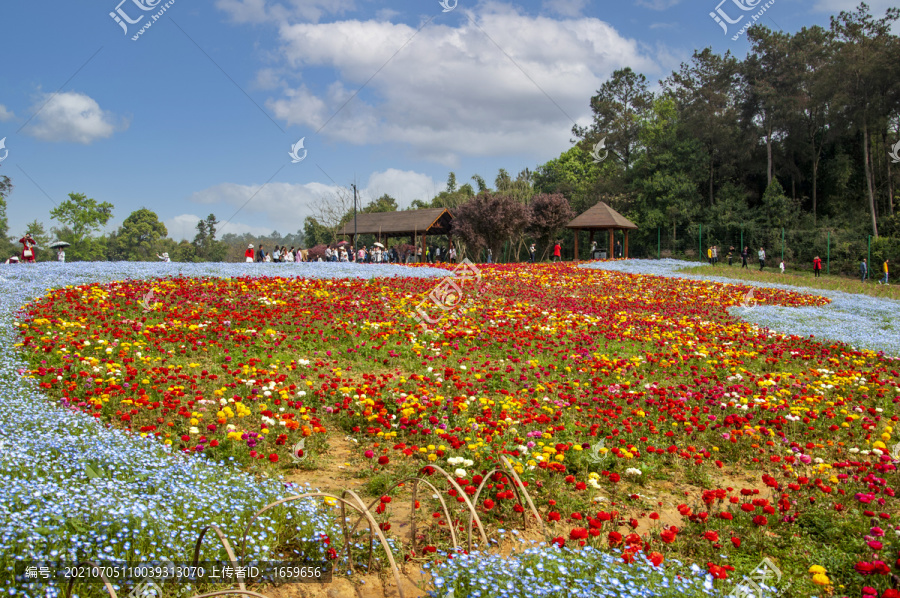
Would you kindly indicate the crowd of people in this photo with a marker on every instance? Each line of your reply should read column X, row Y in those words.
column 406, row 254
column 344, row 252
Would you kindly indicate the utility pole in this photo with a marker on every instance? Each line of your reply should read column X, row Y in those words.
column 354, row 217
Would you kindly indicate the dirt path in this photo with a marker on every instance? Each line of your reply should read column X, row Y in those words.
column 336, row 472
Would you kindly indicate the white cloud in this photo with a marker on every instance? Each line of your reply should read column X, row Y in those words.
column 402, row 185
column 5, row 114
column 451, row 91
column 72, row 117
column 285, row 205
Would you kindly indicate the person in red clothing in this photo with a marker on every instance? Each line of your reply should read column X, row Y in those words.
column 557, row 252
column 28, row 244
column 248, row 255
column 817, row 266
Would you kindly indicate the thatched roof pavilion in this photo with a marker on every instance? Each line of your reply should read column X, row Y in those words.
column 602, row 217
column 411, row 223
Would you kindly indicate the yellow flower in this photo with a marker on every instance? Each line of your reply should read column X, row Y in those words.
column 821, row 579
column 817, row 569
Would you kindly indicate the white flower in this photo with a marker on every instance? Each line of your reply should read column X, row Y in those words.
column 632, row 471
column 194, row 430
column 594, row 483
column 460, row 473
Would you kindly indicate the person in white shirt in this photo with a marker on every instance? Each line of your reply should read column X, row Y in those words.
column 61, row 255
column 164, row 257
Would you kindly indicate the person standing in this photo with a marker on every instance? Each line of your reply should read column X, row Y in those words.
column 557, row 252
column 490, row 257
column 762, row 258
column 745, row 256
column 164, row 257
column 863, row 270
column 452, row 254
column 730, row 254
column 617, row 252
column 28, row 244
column 781, row 266
column 260, row 254
column 817, row 266
column 709, row 254
column 715, row 254
column 248, row 253
column 531, row 252
column 884, row 267
column 61, row 255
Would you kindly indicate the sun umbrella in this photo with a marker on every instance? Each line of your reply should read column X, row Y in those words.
column 56, row 244
column 379, row 245
column 342, row 243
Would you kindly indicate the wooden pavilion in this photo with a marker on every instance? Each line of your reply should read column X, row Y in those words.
column 403, row 223
column 602, row 217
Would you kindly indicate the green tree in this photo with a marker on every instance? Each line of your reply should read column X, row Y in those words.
column 618, row 107
column 81, row 218
column 863, row 71
column 6, row 247
column 315, row 233
column 385, row 203
column 705, row 95
column 665, row 179
column 771, row 82
column 206, row 248
column 137, row 240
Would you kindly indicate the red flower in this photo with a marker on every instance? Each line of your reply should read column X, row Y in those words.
column 760, row 520
column 668, row 535
column 579, row 533
column 711, row 536
column 488, row 504
column 736, row 542
column 615, row 538
column 383, row 460
column 656, row 559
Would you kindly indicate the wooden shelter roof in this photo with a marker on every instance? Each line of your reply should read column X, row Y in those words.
column 601, row 216
column 431, row 221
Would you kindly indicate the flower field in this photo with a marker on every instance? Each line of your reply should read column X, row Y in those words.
column 668, row 446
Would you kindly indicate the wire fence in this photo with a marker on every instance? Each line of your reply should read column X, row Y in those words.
column 840, row 250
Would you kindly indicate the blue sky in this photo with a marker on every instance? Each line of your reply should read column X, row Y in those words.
column 200, row 112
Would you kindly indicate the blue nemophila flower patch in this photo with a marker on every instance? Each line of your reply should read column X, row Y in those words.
column 539, row 570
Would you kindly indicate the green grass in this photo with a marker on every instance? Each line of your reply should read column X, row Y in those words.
column 800, row 278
